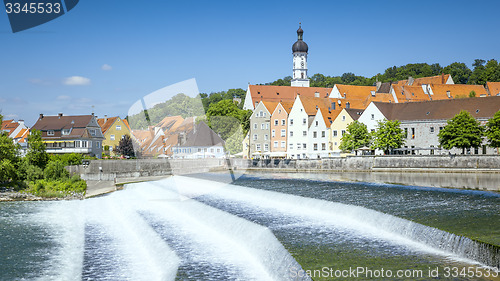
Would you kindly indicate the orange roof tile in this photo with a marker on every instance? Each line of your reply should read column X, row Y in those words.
column 106, row 123
column 440, row 92
column 270, row 106
column 285, row 93
column 438, row 79
column 493, row 88
column 170, row 123
column 406, row 93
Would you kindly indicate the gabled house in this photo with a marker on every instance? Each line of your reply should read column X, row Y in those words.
column 279, row 125
column 260, row 132
column 71, row 134
column 339, row 126
column 201, row 142
column 16, row 131
column 113, row 129
column 318, row 132
column 258, row 93
column 422, row 121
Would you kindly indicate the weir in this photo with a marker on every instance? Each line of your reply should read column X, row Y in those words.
column 360, row 219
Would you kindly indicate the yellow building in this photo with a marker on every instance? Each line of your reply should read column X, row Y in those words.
column 113, row 129
column 339, row 126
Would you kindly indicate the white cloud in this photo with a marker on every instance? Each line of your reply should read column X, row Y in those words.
column 106, row 67
column 38, row 81
column 63, row 98
column 76, row 81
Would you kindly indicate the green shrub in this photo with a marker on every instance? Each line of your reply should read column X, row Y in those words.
column 33, row 173
column 7, row 171
column 55, row 170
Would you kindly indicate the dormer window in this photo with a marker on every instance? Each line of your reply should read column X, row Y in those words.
column 316, row 95
column 448, row 94
column 93, row 132
column 66, row 132
column 50, row 132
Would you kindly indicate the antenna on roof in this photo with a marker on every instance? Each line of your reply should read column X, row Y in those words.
column 93, row 110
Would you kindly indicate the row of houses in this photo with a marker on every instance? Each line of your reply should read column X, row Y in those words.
column 85, row 134
column 308, row 122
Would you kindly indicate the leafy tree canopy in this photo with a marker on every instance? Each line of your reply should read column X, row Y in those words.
column 462, row 131
column 37, row 155
column 493, row 130
column 356, row 137
column 388, row 135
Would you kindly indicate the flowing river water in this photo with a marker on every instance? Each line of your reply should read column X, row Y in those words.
column 261, row 227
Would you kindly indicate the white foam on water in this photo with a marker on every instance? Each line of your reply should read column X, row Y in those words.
column 363, row 221
column 234, row 241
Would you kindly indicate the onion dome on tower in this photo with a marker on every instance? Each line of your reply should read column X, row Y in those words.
column 300, row 45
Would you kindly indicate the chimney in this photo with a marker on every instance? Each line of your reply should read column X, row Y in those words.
column 105, row 118
column 378, row 85
column 410, row 81
column 442, row 78
column 60, row 115
column 41, row 115
column 21, row 122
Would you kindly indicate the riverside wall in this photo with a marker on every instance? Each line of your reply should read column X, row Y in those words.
column 407, row 163
column 116, row 170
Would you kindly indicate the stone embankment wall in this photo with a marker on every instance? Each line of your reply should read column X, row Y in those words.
column 430, row 163
column 109, row 170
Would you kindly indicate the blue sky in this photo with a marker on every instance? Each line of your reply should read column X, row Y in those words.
column 147, row 45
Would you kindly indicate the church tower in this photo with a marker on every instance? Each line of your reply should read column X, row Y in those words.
column 299, row 49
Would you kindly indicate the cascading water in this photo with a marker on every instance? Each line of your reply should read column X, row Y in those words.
column 360, row 219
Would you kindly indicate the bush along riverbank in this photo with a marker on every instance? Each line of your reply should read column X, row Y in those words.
column 37, row 175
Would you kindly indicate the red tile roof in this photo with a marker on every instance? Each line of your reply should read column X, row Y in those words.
column 285, row 93
column 493, row 88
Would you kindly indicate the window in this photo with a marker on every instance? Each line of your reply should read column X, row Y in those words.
column 279, row 110
column 347, row 105
column 291, row 146
column 304, row 133
column 110, row 148
column 448, row 94
column 323, row 134
column 266, row 147
column 291, row 122
column 84, row 144
column 276, row 122
column 432, row 130
column 316, row 95
column 255, row 126
column 335, row 133
column 315, row 147
column 79, row 144
column 316, row 124
column 291, row 133
column 255, row 137
column 412, row 133
column 97, row 144
column 257, row 146
column 267, row 126
column 283, row 122
column 50, row 132
column 261, row 113
column 304, row 145
column 112, row 137
column 266, row 137
column 343, row 117
column 118, row 127
column 90, row 144
column 65, row 132
column 298, row 146
column 373, row 116
column 93, row 132
column 283, row 144
column 315, row 134
column 343, row 132
column 323, row 146
column 273, row 133
column 406, row 133
column 440, row 128
column 283, row 133
column 304, row 121
column 262, row 126
column 275, row 144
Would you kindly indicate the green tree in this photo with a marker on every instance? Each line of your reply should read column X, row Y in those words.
column 459, row 71
column 55, row 171
column 234, row 142
column 125, row 147
column 7, row 171
column 493, row 130
column 472, row 94
column 37, row 154
column 462, row 131
column 225, row 118
column 388, row 136
column 356, row 136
